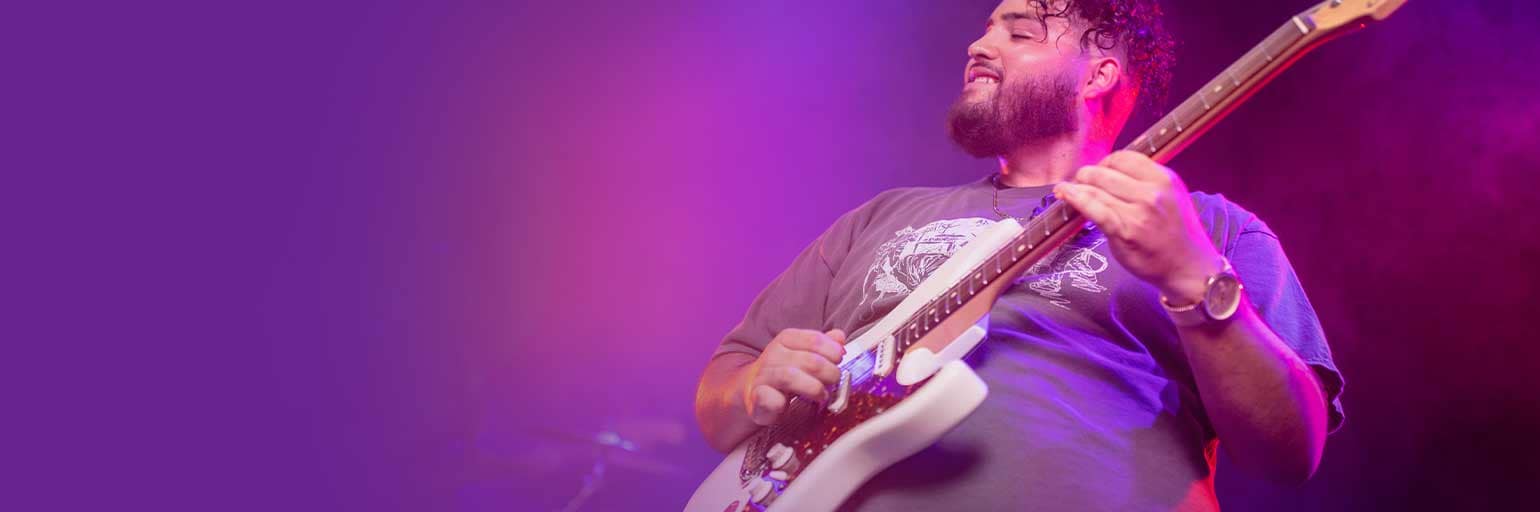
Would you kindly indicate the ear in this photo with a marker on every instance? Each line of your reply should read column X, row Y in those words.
column 1102, row 76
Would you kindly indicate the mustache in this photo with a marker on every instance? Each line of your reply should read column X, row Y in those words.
column 977, row 67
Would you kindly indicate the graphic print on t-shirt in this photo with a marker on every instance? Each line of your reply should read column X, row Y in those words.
column 1076, row 262
column 912, row 254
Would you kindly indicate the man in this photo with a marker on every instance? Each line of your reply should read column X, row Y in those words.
column 1106, row 392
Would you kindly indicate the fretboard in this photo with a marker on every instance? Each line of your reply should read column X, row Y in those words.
column 1199, row 112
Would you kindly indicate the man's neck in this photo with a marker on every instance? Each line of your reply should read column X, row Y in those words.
column 1050, row 161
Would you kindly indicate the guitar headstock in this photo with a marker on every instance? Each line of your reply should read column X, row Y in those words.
column 1334, row 14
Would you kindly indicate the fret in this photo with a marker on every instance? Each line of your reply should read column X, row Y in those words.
column 1284, row 38
column 1189, row 113
column 1161, row 136
column 1303, row 29
column 1244, row 69
column 1025, row 239
column 1277, row 44
column 1155, row 145
column 1255, row 61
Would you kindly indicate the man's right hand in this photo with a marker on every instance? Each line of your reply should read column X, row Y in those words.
column 797, row 362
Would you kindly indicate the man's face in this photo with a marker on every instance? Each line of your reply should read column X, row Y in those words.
column 1019, row 83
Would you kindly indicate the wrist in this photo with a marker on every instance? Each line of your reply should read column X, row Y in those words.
column 1188, row 286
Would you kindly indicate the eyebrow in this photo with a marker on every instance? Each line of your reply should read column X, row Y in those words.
column 1009, row 17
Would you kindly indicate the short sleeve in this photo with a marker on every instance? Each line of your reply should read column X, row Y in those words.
column 1275, row 291
column 796, row 298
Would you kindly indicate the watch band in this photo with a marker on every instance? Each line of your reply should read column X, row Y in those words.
column 1197, row 313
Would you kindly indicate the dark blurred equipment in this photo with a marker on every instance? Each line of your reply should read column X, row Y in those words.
column 630, row 445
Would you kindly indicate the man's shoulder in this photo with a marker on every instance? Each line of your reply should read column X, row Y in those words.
column 901, row 197
column 1222, row 215
column 900, row 203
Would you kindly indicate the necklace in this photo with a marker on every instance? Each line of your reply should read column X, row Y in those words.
column 994, row 179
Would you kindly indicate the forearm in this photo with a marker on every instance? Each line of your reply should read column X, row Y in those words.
column 719, row 401
column 1264, row 402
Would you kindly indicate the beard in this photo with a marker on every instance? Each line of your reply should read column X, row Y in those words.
column 1035, row 109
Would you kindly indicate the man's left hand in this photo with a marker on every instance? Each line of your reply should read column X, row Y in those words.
column 1148, row 217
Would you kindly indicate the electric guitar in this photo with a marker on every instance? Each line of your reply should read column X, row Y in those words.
column 903, row 383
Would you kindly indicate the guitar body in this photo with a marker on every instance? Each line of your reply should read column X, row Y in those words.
column 892, row 427
column 889, row 404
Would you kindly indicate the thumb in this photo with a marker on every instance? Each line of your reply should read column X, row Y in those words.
column 837, row 334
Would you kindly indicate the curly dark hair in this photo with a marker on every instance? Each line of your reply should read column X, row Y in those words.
column 1131, row 26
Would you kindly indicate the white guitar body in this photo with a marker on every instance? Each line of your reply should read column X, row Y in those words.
column 907, row 428
column 951, row 393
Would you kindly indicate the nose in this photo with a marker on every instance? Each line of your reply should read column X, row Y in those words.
column 980, row 50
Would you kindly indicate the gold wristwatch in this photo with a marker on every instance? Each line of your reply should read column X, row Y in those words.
column 1221, row 299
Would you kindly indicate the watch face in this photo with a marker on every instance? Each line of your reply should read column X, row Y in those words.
column 1223, row 298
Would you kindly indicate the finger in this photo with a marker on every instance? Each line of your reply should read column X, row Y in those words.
column 799, row 339
column 830, row 347
column 838, row 335
column 1120, row 185
column 1095, row 204
column 812, row 341
column 794, row 380
column 767, row 405
column 1137, row 165
column 819, row 368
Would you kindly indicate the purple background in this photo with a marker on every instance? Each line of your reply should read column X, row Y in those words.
column 316, row 256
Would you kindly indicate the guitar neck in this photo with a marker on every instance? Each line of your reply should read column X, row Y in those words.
column 1161, row 142
column 1201, row 111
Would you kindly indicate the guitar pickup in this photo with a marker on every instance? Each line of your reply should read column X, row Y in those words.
column 886, row 354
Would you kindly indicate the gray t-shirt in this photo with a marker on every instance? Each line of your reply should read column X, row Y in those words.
column 1092, row 405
